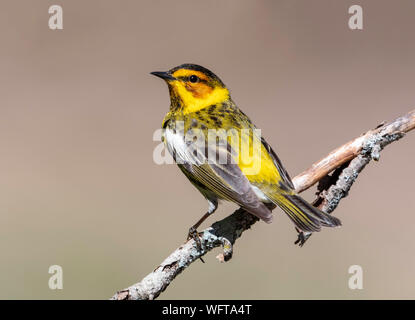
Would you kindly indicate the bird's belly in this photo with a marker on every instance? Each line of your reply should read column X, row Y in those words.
column 260, row 169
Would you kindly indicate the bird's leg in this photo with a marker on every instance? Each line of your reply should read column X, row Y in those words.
column 193, row 234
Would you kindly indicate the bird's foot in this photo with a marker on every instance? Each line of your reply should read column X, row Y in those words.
column 193, row 234
column 302, row 237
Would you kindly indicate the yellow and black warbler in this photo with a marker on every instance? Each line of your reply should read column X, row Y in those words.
column 201, row 101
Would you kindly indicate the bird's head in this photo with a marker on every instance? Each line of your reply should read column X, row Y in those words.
column 193, row 87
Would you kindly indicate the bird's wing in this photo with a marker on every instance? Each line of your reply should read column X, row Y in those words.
column 226, row 180
column 277, row 162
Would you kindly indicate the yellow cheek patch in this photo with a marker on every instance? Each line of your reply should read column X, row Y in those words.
column 192, row 101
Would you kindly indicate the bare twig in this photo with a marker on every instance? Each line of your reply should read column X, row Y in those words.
column 346, row 161
column 372, row 139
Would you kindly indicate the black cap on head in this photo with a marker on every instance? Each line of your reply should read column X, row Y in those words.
column 196, row 67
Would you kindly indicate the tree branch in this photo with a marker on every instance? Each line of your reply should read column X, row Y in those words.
column 346, row 162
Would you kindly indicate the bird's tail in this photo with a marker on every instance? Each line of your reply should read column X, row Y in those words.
column 304, row 215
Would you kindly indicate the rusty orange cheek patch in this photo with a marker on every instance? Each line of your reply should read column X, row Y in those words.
column 199, row 90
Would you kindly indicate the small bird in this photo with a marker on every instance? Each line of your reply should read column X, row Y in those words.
column 255, row 180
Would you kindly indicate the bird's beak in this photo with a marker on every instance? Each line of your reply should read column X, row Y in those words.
column 164, row 75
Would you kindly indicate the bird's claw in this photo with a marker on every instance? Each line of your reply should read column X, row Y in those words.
column 302, row 237
column 193, row 234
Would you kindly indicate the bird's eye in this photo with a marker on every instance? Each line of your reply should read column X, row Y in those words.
column 193, row 79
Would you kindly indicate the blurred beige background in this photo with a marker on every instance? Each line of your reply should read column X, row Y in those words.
column 78, row 109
